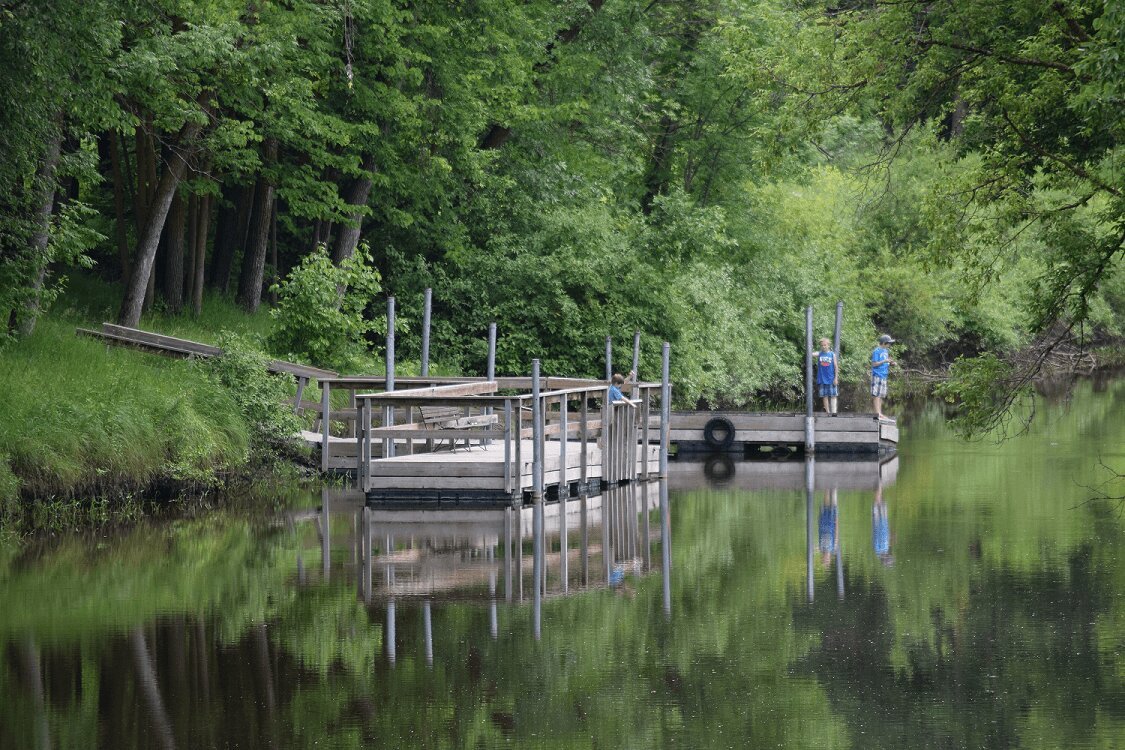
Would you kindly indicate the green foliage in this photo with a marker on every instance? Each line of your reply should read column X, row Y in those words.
column 985, row 389
column 263, row 399
column 696, row 171
column 319, row 317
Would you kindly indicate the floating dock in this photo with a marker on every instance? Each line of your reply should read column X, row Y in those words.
column 752, row 433
column 477, row 474
column 493, row 444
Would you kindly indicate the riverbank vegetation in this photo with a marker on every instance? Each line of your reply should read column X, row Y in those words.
column 86, row 428
column 696, row 171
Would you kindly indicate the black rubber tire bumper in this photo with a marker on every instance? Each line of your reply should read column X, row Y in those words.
column 718, row 433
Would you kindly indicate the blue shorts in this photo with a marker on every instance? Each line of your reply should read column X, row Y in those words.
column 827, row 389
column 878, row 386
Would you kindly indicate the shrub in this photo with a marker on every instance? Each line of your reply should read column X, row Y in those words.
column 262, row 398
column 319, row 314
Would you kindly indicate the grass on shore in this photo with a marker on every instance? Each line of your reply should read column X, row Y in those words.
column 78, row 418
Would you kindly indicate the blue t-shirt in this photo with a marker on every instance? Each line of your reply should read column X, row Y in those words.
column 878, row 354
column 615, row 394
column 825, row 368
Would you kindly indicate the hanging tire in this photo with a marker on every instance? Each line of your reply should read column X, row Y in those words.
column 718, row 433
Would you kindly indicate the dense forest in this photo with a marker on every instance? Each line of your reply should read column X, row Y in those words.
column 698, row 171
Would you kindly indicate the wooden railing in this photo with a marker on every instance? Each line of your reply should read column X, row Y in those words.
column 567, row 409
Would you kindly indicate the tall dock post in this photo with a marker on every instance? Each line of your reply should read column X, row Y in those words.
column 665, row 407
column 427, row 305
column 836, row 332
column 490, row 370
column 810, row 422
column 564, row 490
column 536, row 497
column 635, row 393
column 389, row 412
column 608, row 358
column 490, row 367
column 636, row 358
column 325, row 424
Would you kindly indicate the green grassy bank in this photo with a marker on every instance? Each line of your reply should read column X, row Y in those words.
column 81, row 420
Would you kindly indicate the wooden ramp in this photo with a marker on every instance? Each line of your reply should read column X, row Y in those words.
column 763, row 432
column 477, row 476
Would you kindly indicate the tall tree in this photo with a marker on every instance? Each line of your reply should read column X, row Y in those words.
column 254, row 262
column 145, row 255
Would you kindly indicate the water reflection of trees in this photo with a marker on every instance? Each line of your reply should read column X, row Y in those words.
column 1017, row 664
column 999, row 625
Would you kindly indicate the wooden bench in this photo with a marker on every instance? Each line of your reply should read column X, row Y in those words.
column 453, row 418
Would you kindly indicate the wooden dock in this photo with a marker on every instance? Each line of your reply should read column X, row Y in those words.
column 478, row 473
column 552, row 436
column 753, row 433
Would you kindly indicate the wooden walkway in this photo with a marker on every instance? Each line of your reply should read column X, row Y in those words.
column 171, row 346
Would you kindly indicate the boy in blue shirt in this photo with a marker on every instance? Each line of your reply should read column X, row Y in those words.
column 880, row 367
column 615, row 384
column 827, row 376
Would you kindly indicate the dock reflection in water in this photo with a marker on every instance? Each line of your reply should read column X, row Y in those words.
column 435, row 556
column 825, row 478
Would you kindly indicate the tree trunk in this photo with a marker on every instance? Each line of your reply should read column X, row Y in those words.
column 201, row 254
column 110, row 140
column 146, row 184
column 225, row 229
column 240, row 250
column 174, row 255
column 318, row 229
column 348, row 238
column 253, row 269
column 191, row 247
column 146, row 170
column 276, row 275
column 40, row 239
column 148, row 240
column 656, row 181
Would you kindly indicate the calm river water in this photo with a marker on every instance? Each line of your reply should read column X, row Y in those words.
column 960, row 596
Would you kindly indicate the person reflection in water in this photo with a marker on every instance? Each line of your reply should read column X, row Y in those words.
column 880, row 529
column 829, row 526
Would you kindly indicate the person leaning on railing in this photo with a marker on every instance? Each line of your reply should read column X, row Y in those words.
column 618, row 380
